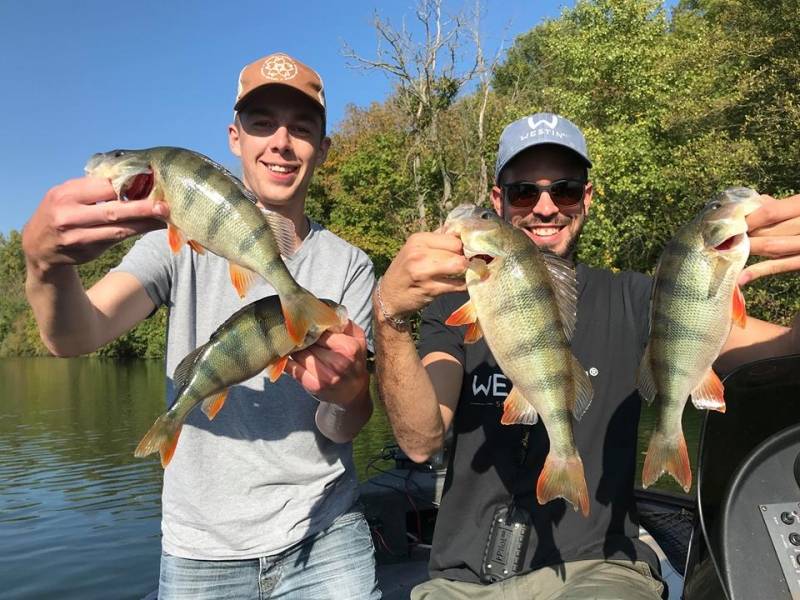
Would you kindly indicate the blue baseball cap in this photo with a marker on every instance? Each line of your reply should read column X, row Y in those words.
column 541, row 128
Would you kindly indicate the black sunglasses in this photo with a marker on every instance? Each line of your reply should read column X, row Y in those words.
column 565, row 193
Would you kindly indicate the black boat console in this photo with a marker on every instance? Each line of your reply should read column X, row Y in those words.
column 746, row 541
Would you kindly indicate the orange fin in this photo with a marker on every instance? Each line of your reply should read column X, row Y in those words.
column 175, row 237
column 212, row 405
column 162, row 437
column 241, row 278
column 710, row 394
column 195, row 245
column 739, row 309
column 275, row 369
column 667, row 455
column 517, row 410
column 563, row 478
column 473, row 334
column 303, row 311
column 464, row 315
column 467, row 315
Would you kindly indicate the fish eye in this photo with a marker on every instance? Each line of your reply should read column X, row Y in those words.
column 119, row 153
column 716, row 205
column 486, row 215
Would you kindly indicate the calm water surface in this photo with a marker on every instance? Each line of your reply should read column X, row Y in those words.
column 79, row 515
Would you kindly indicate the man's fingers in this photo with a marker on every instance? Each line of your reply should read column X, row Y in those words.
column 769, row 267
column 773, row 211
column 787, row 227
column 85, row 190
column 110, row 212
column 775, row 246
column 110, row 233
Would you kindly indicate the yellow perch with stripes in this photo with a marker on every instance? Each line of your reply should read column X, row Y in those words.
column 523, row 302
column 211, row 209
column 252, row 339
column 695, row 302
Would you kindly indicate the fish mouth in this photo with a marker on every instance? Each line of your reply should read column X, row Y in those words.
column 470, row 255
column 730, row 243
column 138, row 187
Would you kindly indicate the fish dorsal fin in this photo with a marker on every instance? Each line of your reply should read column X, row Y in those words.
column 184, row 370
column 565, row 286
column 584, row 392
column 282, row 230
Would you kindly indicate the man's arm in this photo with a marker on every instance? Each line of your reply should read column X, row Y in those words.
column 76, row 222
column 334, row 369
column 420, row 395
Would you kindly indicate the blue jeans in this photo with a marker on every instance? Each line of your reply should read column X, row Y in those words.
column 338, row 563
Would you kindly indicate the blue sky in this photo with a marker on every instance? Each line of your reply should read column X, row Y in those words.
column 87, row 76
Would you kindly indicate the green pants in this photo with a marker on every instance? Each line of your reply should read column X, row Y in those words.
column 581, row 580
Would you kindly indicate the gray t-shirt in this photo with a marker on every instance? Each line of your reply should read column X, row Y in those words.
column 260, row 477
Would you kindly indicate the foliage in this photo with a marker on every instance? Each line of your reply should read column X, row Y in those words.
column 675, row 106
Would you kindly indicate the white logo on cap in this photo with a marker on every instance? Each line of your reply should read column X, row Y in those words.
column 279, row 68
column 534, row 124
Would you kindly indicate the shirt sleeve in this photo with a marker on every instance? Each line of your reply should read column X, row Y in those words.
column 358, row 295
column 150, row 261
column 434, row 335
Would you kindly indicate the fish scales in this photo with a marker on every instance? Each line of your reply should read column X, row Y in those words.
column 210, row 209
column 517, row 311
column 692, row 310
column 252, row 339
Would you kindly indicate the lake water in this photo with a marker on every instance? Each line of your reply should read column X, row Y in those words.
column 79, row 515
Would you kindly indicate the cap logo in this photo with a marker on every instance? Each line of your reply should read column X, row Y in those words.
column 536, row 124
column 279, row 68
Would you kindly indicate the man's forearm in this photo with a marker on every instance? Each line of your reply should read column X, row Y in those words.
column 340, row 424
column 407, row 392
column 66, row 318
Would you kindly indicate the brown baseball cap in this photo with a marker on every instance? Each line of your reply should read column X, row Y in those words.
column 281, row 69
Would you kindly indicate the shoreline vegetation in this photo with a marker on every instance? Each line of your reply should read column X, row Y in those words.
column 676, row 104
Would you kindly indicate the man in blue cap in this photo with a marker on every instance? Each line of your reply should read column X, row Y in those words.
column 492, row 538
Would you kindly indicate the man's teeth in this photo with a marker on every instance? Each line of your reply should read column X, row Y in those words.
column 545, row 231
column 280, row 168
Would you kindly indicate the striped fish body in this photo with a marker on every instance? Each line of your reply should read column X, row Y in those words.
column 252, row 339
column 695, row 301
column 211, row 209
column 517, row 307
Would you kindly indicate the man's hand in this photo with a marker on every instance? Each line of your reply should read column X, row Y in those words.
column 774, row 231
column 428, row 265
column 81, row 218
column 334, row 369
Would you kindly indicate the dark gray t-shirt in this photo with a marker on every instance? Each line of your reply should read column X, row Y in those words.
column 610, row 336
column 260, row 477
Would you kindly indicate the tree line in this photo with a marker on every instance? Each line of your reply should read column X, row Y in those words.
column 676, row 104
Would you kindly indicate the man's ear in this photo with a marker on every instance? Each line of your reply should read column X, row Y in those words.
column 587, row 197
column 497, row 200
column 233, row 140
column 324, row 146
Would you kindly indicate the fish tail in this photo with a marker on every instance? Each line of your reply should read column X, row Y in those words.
column 162, row 438
column 667, row 454
column 562, row 477
column 302, row 311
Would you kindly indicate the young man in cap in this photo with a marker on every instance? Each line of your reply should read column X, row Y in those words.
column 542, row 185
column 261, row 501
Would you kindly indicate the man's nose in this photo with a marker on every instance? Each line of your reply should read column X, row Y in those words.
column 280, row 139
column 545, row 205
